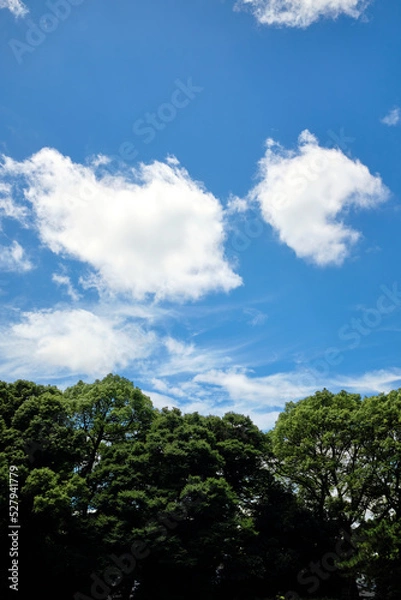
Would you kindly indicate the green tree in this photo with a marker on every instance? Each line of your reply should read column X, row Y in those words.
column 200, row 506
column 39, row 440
column 108, row 411
column 379, row 555
column 318, row 443
column 189, row 490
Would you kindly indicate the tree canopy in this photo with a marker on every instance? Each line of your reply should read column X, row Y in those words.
column 120, row 500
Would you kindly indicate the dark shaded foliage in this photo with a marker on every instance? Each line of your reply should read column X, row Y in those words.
column 115, row 495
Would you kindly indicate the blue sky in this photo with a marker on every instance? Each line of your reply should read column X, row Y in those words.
column 203, row 197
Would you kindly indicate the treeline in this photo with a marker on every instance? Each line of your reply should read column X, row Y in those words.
column 119, row 500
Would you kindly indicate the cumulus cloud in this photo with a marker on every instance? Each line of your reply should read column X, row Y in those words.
column 392, row 118
column 148, row 231
column 304, row 194
column 17, row 7
column 12, row 258
column 301, row 13
column 55, row 343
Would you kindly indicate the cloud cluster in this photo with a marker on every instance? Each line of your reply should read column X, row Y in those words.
column 9, row 209
column 217, row 391
column 148, row 231
column 54, row 343
column 17, row 7
column 12, row 258
column 301, row 13
column 273, row 391
column 304, row 194
column 57, row 343
column 155, row 233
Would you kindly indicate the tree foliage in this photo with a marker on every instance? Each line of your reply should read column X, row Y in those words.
column 118, row 499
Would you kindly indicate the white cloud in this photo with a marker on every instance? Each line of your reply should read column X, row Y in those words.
column 55, row 343
column 12, row 258
column 382, row 380
column 304, row 193
column 301, row 13
column 187, row 358
column 17, row 7
column 149, row 231
column 64, row 280
column 269, row 391
column 160, row 400
column 265, row 419
column 9, row 208
column 256, row 317
column 392, row 118
column 218, row 391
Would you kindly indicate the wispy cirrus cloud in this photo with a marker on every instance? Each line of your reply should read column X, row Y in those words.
column 278, row 388
column 65, row 281
column 61, row 343
column 392, row 118
column 305, row 193
column 301, row 13
column 217, row 391
column 371, row 382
